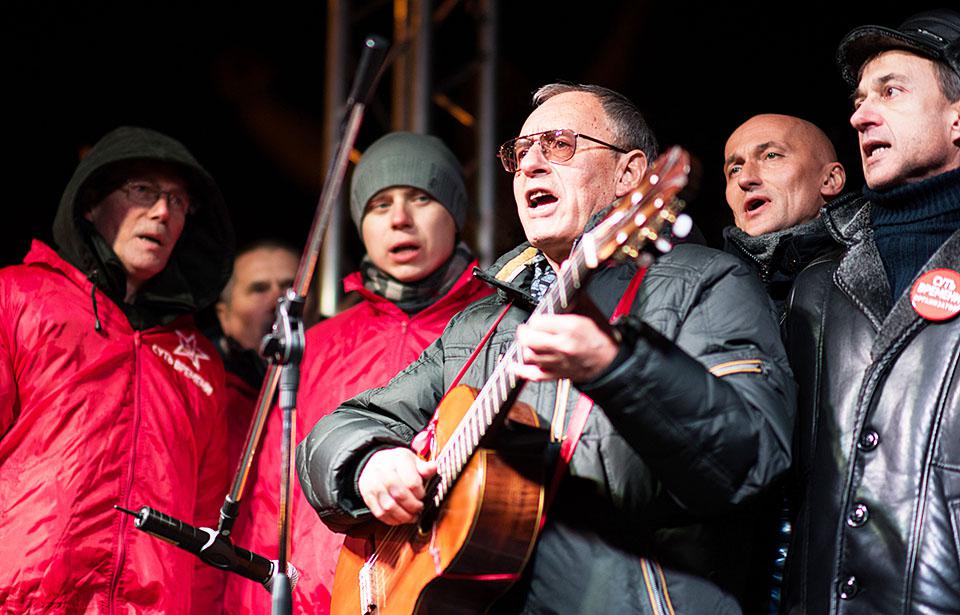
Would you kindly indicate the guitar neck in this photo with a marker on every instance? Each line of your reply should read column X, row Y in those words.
column 502, row 386
column 635, row 220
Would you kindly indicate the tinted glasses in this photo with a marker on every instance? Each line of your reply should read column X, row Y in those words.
column 556, row 145
column 146, row 194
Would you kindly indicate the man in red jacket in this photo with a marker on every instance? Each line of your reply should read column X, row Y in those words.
column 409, row 203
column 262, row 272
column 108, row 390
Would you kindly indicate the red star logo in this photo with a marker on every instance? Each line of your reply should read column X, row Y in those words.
column 188, row 348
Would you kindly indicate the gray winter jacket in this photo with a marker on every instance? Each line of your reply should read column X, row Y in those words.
column 694, row 419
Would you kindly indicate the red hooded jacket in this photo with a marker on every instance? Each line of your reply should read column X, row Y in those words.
column 90, row 419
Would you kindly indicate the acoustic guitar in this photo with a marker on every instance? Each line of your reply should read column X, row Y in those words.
column 483, row 509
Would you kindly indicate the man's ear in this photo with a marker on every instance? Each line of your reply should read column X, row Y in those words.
column 832, row 179
column 630, row 170
column 955, row 123
column 221, row 309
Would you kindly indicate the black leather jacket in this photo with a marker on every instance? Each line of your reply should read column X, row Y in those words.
column 694, row 420
column 878, row 438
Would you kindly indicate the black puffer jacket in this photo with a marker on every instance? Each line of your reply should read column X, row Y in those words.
column 695, row 418
column 878, row 446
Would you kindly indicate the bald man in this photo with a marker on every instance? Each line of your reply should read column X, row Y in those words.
column 781, row 170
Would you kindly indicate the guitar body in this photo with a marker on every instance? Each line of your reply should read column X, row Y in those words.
column 474, row 550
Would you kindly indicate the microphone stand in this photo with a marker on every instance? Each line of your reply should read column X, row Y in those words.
column 284, row 346
column 285, row 343
column 280, row 343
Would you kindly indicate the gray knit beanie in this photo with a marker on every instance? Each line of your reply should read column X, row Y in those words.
column 408, row 159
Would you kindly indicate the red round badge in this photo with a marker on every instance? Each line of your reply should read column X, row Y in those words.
column 936, row 294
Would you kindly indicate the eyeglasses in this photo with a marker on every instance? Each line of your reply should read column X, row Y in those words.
column 144, row 194
column 556, row 145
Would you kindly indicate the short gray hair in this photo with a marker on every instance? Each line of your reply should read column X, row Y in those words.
column 629, row 127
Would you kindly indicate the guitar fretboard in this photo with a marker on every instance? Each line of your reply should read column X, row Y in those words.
column 636, row 219
column 502, row 383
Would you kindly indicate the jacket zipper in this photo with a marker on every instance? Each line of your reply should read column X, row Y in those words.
column 762, row 267
column 404, row 330
column 121, row 547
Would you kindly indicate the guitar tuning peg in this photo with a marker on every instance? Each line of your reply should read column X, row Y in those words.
column 683, row 226
column 663, row 245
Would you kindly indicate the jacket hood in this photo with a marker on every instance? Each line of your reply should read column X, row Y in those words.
column 202, row 260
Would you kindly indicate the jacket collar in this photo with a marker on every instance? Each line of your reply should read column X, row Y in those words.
column 510, row 275
column 860, row 273
column 784, row 252
column 41, row 253
column 861, row 276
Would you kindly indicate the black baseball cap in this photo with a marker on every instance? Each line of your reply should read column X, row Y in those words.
column 932, row 34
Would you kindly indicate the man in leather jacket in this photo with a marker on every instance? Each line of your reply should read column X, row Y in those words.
column 874, row 341
column 693, row 398
column 780, row 171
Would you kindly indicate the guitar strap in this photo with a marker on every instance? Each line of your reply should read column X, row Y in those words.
column 579, row 417
column 423, row 442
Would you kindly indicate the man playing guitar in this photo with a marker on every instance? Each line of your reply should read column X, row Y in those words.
column 692, row 409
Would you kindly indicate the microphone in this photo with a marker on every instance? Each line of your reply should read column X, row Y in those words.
column 210, row 546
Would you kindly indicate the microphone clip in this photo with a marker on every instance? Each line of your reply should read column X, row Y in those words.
column 284, row 344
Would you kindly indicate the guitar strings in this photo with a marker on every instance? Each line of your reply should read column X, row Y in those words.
column 460, row 447
column 462, row 443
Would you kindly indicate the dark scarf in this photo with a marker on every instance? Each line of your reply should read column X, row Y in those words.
column 910, row 222
column 767, row 250
column 413, row 297
column 245, row 363
column 779, row 256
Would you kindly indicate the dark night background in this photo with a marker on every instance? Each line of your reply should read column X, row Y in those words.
column 242, row 86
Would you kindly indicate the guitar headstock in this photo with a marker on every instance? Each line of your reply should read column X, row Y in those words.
column 648, row 215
